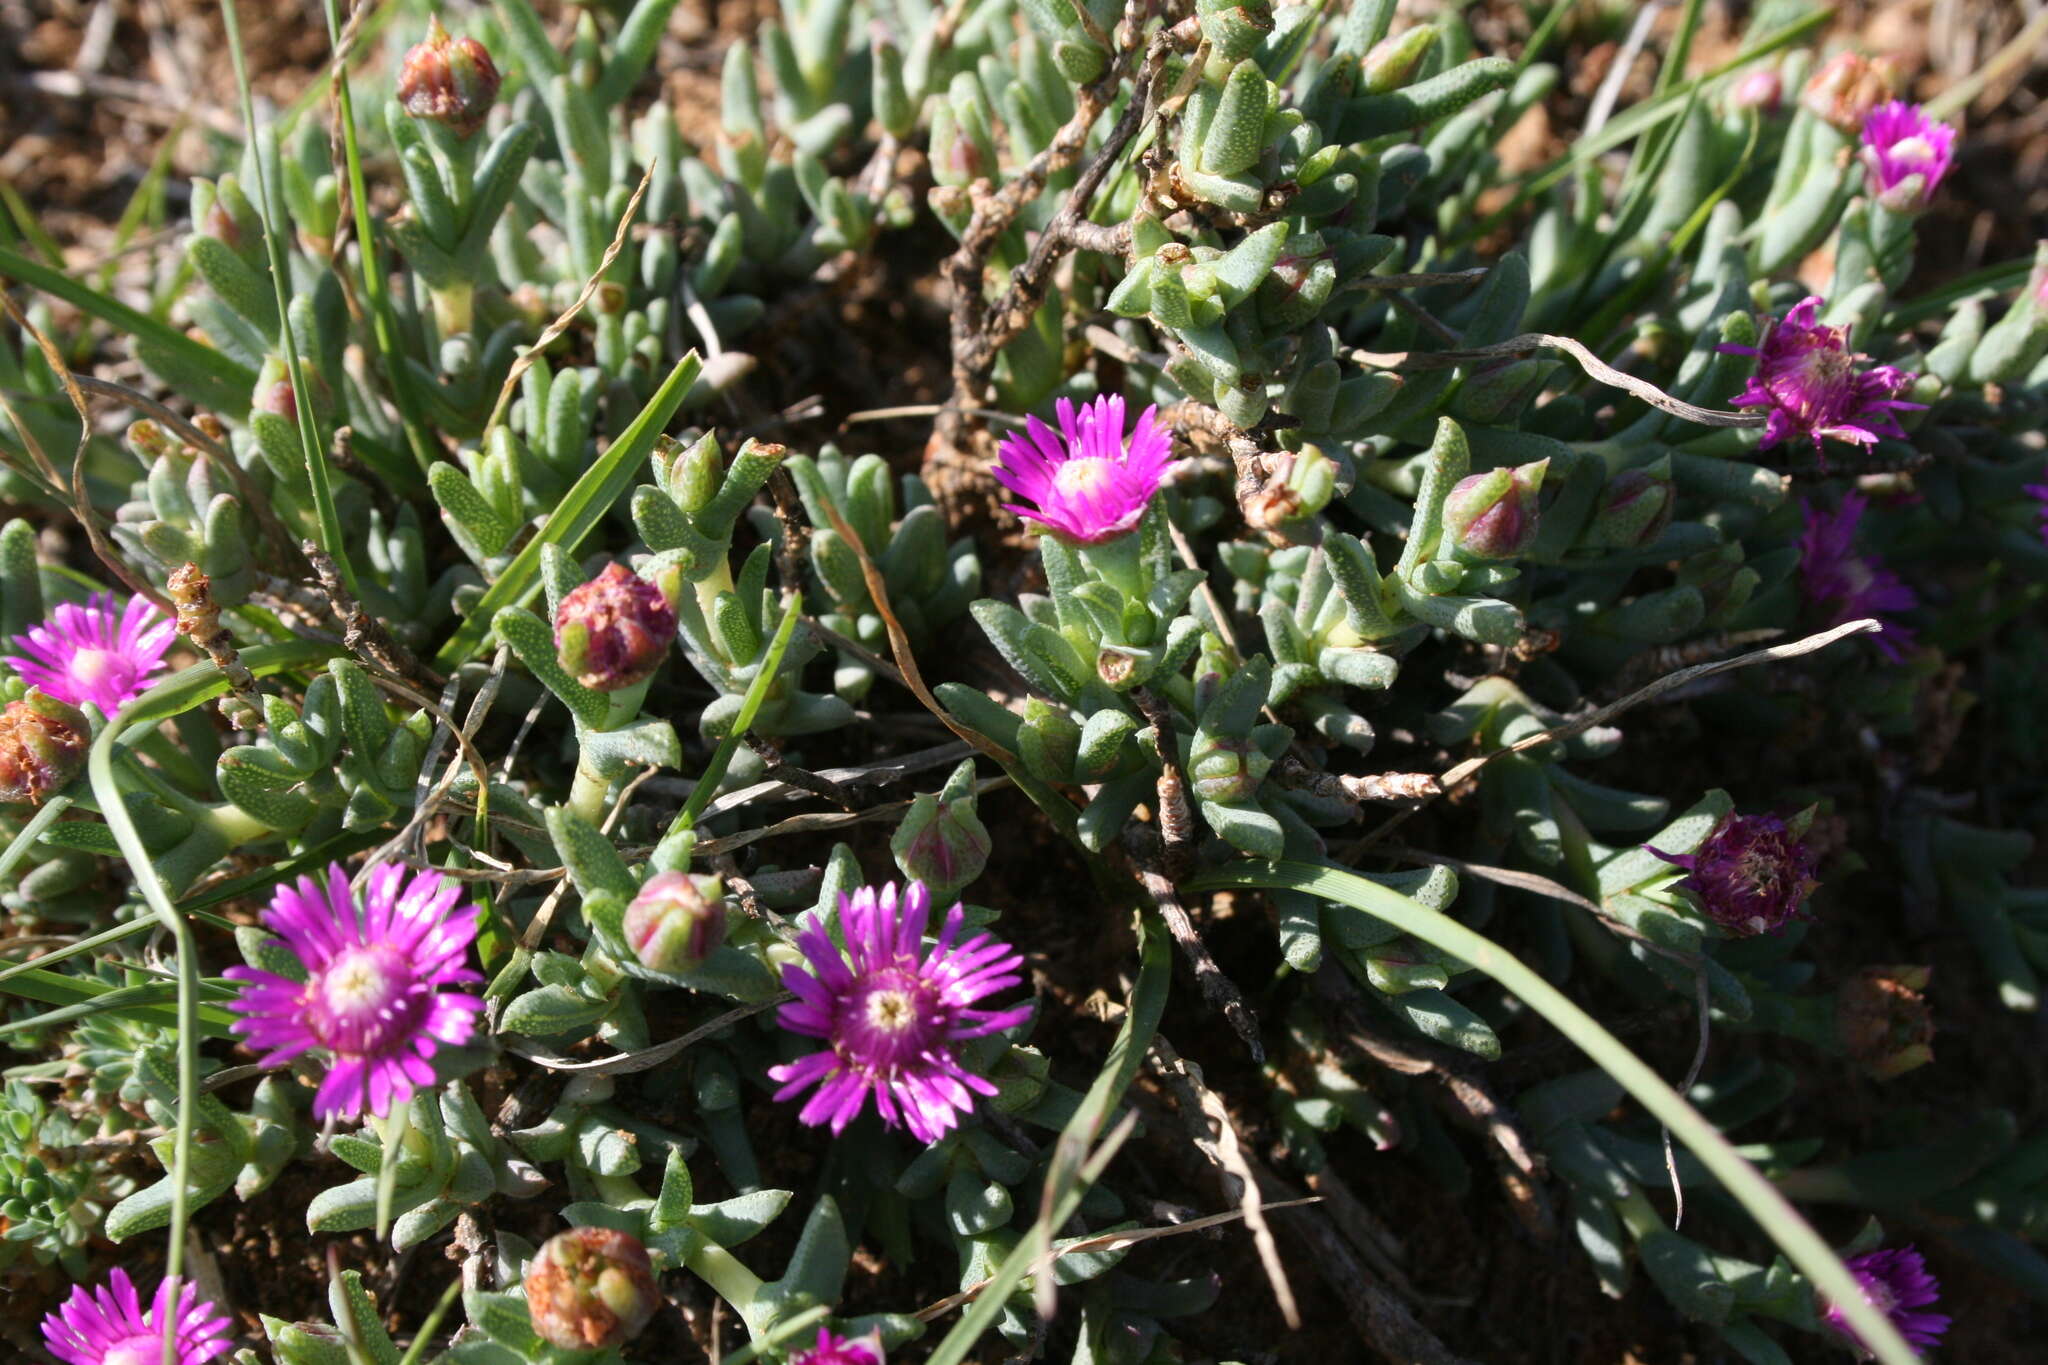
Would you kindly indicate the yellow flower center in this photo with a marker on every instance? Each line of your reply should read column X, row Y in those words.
column 891, row 1011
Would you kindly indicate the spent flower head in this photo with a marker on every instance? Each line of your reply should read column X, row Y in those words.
column 373, row 997
column 590, row 1288
column 1087, row 482
column 614, row 630
column 1808, row 383
column 43, row 744
column 1847, row 87
column 1906, row 154
column 833, row 1349
column 1896, row 1282
column 95, row 653
column 891, row 1013
column 109, row 1326
column 1752, row 875
column 1847, row 586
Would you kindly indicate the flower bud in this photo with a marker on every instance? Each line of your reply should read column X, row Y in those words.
column 1846, row 89
column 1882, row 1018
column 1634, row 509
column 942, row 841
column 590, row 1288
column 42, row 747
column 1493, row 515
column 674, row 923
column 449, row 81
column 1392, row 60
column 614, row 630
column 1227, row 770
column 1761, row 89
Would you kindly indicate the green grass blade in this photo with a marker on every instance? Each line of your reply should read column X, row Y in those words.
column 77, row 997
column 750, row 706
column 232, row 380
column 1772, row 1211
column 603, row 484
column 1141, row 1022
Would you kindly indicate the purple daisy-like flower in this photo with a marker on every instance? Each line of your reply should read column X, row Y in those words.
column 1906, row 153
column 1896, row 1282
column 94, row 653
column 1751, row 876
column 837, row 1350
column 2039, row 493
column 1847, row 586
column 1807, row 382
column 1087, row 483
column 892, row 1013
column 372, row 998
column 108, row 1326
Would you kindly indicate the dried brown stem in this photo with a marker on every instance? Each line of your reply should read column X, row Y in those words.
column 199, row 620
column 365, row 636
column 1218, row 990
column 789, row 774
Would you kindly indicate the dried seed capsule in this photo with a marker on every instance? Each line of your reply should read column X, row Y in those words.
column 42, row 747
column 1882, row 1018
column 590, row 1288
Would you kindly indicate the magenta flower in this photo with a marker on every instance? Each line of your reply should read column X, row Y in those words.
column 891, row 1018
column 91, row 654
column 1087, row 484
column 1751, row 876
column 108, row 1326
column 2039, row 492
column 372, row 998
column 1806, row 380
column 838, row 1350
column 1848, row 586
column 1896, row 1282
column 1906, row 153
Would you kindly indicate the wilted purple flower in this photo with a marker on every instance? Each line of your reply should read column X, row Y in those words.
column 2039, row 492
column 589, row 1288
column 891, row 1018
column 1896, row 1282
column 1906, row 153
column 838, row 1350
column 372, row 997
column 614, row 630
column 107, row 1326
column 1848, row 586
column 94, row 654
column 1087, row 483
column 1751, row 875
column 42, row 747
column 1807, row 381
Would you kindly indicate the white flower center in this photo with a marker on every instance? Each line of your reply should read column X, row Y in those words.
column 891, row 1011
column 92, row 666
column 356, row 982
column 1912, row 150
column 1091, row 475
column 136, row 1350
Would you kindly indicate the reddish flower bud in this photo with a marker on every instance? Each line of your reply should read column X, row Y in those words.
column 590, row 1288
column 42, row 747
column 1882, row 1018
column 1493, row 515
column 613, row 631
column 449, row 81
column 673, row 925
column 1762, row 89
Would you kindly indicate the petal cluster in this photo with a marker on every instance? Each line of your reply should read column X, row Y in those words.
column 892, row 1013
column 1847, row 586
column 1808, row 383
column 832, row 1349
column 1752, row 875
column 108, row 1325
column 2039, row 493
column 373, row 997
column 1896, row 1282
column 1906, row 154
column 95, row 653
column 1087, row 482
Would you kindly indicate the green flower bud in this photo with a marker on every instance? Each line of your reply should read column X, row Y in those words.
column 1635, row 509
column 42, row 747
column 675, row 922
column 1392, row 61
column 942, row 841
column 1228, row 770
column 449, row 81
column 591, row 1288
column 1493, row 515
